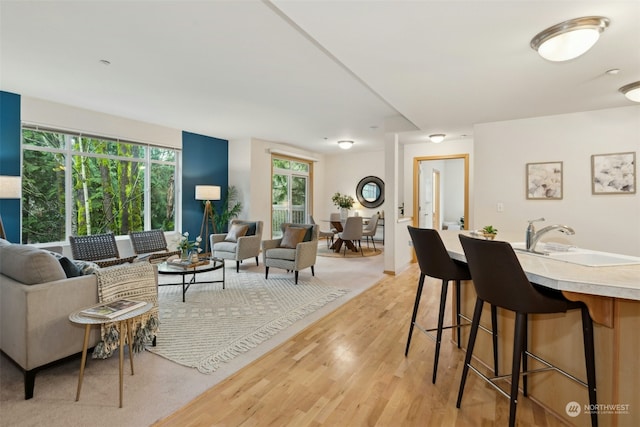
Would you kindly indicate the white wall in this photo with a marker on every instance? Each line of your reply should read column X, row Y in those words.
column 502, row 149
column 346, row 169
column 250, row 172
column 65, row 117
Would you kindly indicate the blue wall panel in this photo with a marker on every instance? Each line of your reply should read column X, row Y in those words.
column 205, row 161
column 10, row 160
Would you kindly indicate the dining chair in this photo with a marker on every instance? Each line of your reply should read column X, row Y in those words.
column 328, row 235
column 370, row 230
column 500, row 280
column 353, row 232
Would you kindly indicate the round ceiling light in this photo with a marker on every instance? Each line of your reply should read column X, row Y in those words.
column 345, row 144
column 631, row 91
column 569, row 39
column 437, row 137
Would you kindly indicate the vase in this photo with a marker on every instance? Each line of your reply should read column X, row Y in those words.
column 344, row 213
column 184, row 254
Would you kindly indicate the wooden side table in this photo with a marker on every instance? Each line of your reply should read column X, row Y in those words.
column 125, row 328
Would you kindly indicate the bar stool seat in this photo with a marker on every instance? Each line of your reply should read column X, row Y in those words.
column 434, row 261
column 499, row 280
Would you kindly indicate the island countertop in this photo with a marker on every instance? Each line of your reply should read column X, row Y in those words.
column 621, row 281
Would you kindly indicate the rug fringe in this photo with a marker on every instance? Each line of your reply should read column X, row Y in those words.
column 212, row 362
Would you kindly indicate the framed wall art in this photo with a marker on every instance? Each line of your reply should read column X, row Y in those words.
column 544, row 181
column 613, row 173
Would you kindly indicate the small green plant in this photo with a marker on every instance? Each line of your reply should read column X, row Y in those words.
column 488, row 229
column 229, row 210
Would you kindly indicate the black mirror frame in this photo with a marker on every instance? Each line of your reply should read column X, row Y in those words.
column 370, row 180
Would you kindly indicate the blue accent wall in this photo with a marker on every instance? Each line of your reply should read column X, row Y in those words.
column 205, row 161
column 10, row 160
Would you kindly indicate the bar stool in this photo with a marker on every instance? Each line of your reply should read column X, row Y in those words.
column 434, row 261
column 499, row 280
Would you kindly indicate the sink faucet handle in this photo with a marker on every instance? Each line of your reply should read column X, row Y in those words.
column 531, row 221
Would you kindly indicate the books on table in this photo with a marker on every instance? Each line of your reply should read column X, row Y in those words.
column 113, row 309
column 186, row 264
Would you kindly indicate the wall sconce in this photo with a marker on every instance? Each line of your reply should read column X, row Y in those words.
column 437, row 137
column 207, row 193
column 569, row 39
column 10, row 188
column 631, row 91
column 345, row 144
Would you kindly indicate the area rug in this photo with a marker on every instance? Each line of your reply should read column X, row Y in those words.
column 216, row 325
column 324, row 251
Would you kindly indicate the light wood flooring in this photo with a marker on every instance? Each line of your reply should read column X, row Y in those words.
column 349, row 369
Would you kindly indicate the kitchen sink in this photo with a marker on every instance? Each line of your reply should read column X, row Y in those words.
column 578, row 256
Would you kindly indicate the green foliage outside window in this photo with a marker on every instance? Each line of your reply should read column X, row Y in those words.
column 107, row 186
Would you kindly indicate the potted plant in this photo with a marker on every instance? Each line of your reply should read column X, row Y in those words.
column 489, row 232
column 229, row 210
column 344, row 202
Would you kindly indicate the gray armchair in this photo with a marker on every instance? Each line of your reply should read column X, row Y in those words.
column 294, row 251
column 238, row 246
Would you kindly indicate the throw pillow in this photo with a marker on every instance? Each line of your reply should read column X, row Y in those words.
column 86, row 267
column 236, row 232
column 70, row 269
column 292, row 236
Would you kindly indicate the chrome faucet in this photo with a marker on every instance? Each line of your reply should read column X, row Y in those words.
column 531, row 244
column 531, row 231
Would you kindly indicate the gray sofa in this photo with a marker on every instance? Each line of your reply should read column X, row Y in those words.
column 36, row 298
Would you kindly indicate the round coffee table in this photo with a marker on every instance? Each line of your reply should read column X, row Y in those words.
column 211, row 265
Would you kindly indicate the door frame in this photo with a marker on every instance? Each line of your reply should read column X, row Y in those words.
column 416, row 184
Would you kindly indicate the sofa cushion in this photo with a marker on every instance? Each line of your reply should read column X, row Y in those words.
column 236, row 231
column 86, row 267
column 292, row 236
column 4, row 242
column 225, row 247
column 29, row 265
column 282, row 253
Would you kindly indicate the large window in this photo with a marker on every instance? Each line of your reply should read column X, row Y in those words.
column 82, row 185
column 290, row 192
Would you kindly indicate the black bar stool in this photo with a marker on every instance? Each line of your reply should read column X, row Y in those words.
column 499, row 280
column 434, row 261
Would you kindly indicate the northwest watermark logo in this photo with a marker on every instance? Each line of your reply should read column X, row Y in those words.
column 573, row 409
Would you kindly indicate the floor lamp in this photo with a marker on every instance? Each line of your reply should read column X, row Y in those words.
column 207, row 193
column 10, row 188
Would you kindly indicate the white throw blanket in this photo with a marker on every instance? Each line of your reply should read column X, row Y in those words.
column 131, row 281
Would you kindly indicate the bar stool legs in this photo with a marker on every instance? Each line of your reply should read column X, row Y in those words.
column 441, row 327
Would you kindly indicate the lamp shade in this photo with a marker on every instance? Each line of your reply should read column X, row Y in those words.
column 207, row 192
column 10, row 187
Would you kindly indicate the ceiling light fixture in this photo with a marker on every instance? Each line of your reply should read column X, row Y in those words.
column 631, row 91
column 437, row 137
column 569, row 39
column 345, row 144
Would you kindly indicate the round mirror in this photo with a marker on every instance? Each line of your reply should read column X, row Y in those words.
column 370, row 192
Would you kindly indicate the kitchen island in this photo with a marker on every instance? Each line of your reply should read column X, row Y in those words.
column 612, row 294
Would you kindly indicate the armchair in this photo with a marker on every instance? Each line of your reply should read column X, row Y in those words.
column 239, row 243
column 296, row 250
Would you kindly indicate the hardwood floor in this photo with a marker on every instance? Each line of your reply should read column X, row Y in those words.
column 349, row 369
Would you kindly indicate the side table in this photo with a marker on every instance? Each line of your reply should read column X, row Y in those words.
column 125, row 328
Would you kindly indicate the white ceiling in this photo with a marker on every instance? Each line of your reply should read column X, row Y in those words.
column 308, row 73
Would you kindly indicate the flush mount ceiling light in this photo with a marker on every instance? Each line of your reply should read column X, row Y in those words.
column 437, row 137
column 345, row 144
column 631, row 91
column 569, row 39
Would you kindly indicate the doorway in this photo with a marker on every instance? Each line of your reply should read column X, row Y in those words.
column 441, row 191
